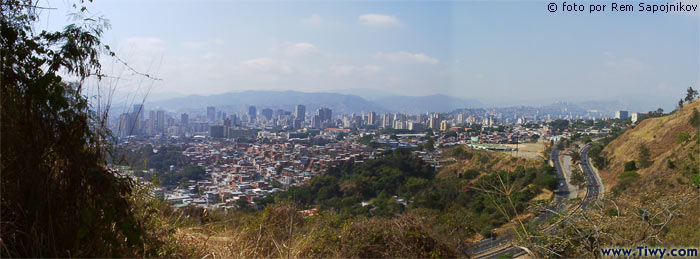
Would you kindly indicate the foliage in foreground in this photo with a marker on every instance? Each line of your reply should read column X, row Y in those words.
column 280, row 230
column 59, row 198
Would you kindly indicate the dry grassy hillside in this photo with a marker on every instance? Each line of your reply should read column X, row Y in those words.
column 483, row 161
column 659, row 135
column 668, row 186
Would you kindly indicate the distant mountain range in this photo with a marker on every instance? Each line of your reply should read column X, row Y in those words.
column 365, row 100
column 432, row 103
column 339, row 103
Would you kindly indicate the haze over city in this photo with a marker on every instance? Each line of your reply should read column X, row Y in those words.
column 349, row 129
column 502, row 53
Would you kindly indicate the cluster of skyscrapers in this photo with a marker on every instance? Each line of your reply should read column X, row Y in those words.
column 218, row 123
column 157, row 123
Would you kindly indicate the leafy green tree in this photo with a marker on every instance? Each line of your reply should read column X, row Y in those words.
column 595, row 152
column 586, row 139
column 577, row 177
column 429, row 145
column 644, row 157
column 559, row 125
column 691, row 94
column 59, row 197
column 575, row 156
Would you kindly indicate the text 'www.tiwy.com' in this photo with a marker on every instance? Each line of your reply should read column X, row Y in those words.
column 643, row 251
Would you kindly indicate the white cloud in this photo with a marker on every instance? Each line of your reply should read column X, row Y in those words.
column 382, row 20
column 194, row 45
column 302, row 49
column 342, row 70
column 268, row 65
column 314, row 19
column 372, row 68
column 403, row 56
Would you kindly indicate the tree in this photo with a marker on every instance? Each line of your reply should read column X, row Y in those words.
column 429, row 145
column 660, row 111
column 575, row 157
column 691, row 94
column 586, row 139
column 577, row 177
column 644, row 156
column 59, row 197
column 559, row 125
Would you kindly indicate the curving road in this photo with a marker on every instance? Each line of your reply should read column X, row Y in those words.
column 495, row 247
column 593, row 186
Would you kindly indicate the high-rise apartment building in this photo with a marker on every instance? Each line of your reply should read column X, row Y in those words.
column 325, row 114
column 161, row 125
column 433, row 124
column 252, row 113
column 211, row 113
column 184, row 119
column 622, row 115
column 443, row 126
column 300, row 112
column 267, row 113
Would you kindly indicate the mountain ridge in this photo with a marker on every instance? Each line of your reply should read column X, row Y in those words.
column 338, row 102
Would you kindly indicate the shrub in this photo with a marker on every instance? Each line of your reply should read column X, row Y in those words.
column 628, row 175
column 461, row 153
column 695, row 118
column 682, row 137
column 696, row 179
column 611, row 212
column 644, row 156
column 630, row 166
column 670, row 164
column 470, row 174
column 626, row 179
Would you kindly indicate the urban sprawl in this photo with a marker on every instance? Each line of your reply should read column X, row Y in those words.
column 250, row 155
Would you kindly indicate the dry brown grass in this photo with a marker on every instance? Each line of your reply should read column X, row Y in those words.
column 659, row 183
column 483, row 161
column 280, row 231
column 659, row 136
column 545, row 195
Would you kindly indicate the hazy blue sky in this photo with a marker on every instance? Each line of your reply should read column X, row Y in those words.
column 487, row 50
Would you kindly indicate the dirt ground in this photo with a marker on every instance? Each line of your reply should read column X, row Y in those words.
column 528, row 150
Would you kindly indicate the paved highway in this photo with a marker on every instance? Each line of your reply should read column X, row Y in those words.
column 495, row 247
column 592, row 184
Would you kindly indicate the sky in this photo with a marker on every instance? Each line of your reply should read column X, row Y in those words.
column 496, row 50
